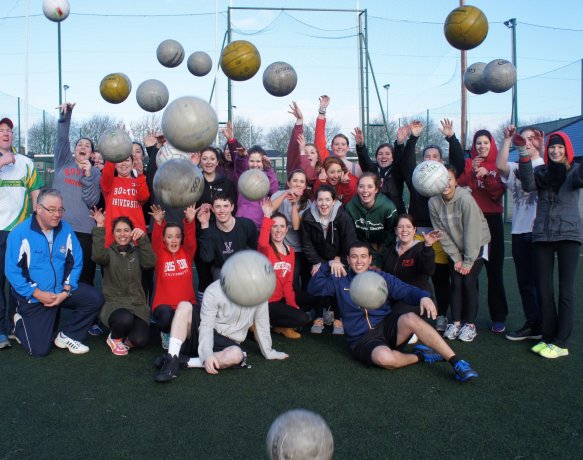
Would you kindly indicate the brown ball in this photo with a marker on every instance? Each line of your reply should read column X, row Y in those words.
column 465, row 27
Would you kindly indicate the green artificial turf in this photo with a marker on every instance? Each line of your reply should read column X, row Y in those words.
column 102, row 406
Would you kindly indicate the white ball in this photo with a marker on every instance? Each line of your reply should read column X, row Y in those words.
column 253, row 184
column 152, row 95
column 247, row 278
column 169, row 152
column 474, row 78
column 56, row 10
column 199, row 63
column 369, row 290
column 190, row 123
column 430, row 178
column 500, row 75
column 170, row 53
column 115, row 145
column 299, row 434
column 178, row 184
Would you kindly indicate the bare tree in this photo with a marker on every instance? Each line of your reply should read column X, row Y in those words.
column 141, row 127
column 94, row 126
column 246, row 132
column 42, row 136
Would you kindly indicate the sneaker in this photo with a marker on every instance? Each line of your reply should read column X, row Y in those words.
column 429, row 355
column 441, row 324
column 413, row 340
column 467, row 333
column 498, row 327
column 165, row 338
column 317, row 326
column 182, row 360
column 338, row 327
column 552, row 351
column 4, row 342
column 170, row 369
column 538, row 347
column 118, row 348
column 288, row 332
column 328, row 317
column 463, row 371
column 452, row 331
column 525, row 332
column 74, row 346
column 95, row 330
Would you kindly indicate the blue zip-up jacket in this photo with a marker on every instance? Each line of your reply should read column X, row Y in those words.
column 357, row 320
column 31, row 265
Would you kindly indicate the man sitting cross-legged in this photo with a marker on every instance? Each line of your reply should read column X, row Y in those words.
column 375, row 337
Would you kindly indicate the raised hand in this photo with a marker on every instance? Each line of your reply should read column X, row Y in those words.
column 324, row 102
column 267, row 207
column 139, row 166
column 228, row 130
column 302, row 144
column 66, row 107
column 538, row 140
column 431, row 237
column 190, row 213
column 266, row 162
column 358, row 136
column 98, row 215
column 446, row 127
column 150, row 138
column 157, row 213
column 509, row 131
column 416, row 127
column 195, row 158
column 294, row 109
column 241, row 151
column 402, row 134
column 204, row 215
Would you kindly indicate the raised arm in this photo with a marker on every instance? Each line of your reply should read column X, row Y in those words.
column 62, row 150
column 320, row 133
column 364, row 160
column 455, row 151
column 525, row 168
column 504, row 152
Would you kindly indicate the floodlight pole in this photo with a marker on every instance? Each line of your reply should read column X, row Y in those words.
column 387, row 86
column 59, row 62
column 511, row 24
column 229, row 96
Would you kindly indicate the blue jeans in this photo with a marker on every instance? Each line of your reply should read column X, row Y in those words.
column 527, row 276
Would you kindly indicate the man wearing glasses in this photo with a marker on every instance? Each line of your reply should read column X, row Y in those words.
column 19, row 188
column 43, row 265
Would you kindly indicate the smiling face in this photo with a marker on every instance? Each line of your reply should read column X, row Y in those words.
column 359, row 259
column 122, row 233
column 278, row 230
column 367, row 191
column 385, row 157
column 324, row 203
column 297, row 181
column 82, row 150
column 451, row 185
column 255, row 161
column 137, row 152
column 209, row 162
column 223, row 210
column 483, row 146
column 124, row 168
column 98, row 160
column 5, row 137
column 340, row 147
column 49, row 212
column 334, row 173
column 227, row 153
column 557, row 153
column 172, row 239
column 405, row 230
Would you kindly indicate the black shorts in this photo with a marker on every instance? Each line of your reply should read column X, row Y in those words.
column 190, row 345
column 384, row 334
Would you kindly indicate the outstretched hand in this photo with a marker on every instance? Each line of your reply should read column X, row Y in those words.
column 228, row 130
column 66, row 107
column 324, row 102
column 416, row 127
column 509, row 131
column 446, row 127
column 358, row 136
column 157, row 213
column 294, row 109
column 267, row 207
column 98, row 215
column 402, row 134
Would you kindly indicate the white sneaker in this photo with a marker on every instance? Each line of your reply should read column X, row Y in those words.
column 467, row 333
column 74, row 346
column 452, row 331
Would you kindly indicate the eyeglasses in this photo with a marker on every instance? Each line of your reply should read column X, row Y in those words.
column 98, row 163
column 52, row 210
column 5, row 131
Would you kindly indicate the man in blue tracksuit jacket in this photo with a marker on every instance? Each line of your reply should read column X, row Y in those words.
column 376, row 336
column 43, row 264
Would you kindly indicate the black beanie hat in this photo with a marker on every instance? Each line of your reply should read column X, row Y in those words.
column 556, row 139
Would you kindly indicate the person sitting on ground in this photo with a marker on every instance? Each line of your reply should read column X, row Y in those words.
column 125, row 310
column 175, row 252
column 43, row 265
column 376, row 337
column 284, row 313
column 211, row 336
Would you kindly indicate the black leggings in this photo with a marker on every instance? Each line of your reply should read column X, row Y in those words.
column 88, row 272
column 495, row 269
column 442, row 288
column 557, row 325
column 163, row 315
column 464, row 292
column 124, row 324
column 283, row 315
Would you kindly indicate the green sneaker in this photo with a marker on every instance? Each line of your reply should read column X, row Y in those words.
column 538, row 347
column 552, row 351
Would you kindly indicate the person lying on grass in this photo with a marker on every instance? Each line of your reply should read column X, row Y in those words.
column 376, row 337
column 211, row 336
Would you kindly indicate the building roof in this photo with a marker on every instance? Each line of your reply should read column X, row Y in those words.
column 573, row 127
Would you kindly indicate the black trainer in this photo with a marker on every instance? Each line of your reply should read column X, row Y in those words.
column 170, row 369
column 528, row 331
column 183, row 360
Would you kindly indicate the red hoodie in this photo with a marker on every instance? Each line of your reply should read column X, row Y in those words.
column 568, row 146
column 282, row 265
column 488, row 191
column 174, row 271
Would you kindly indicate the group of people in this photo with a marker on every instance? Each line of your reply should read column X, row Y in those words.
column 333, row 220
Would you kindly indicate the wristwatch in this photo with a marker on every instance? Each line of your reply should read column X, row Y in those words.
column 68, row 291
